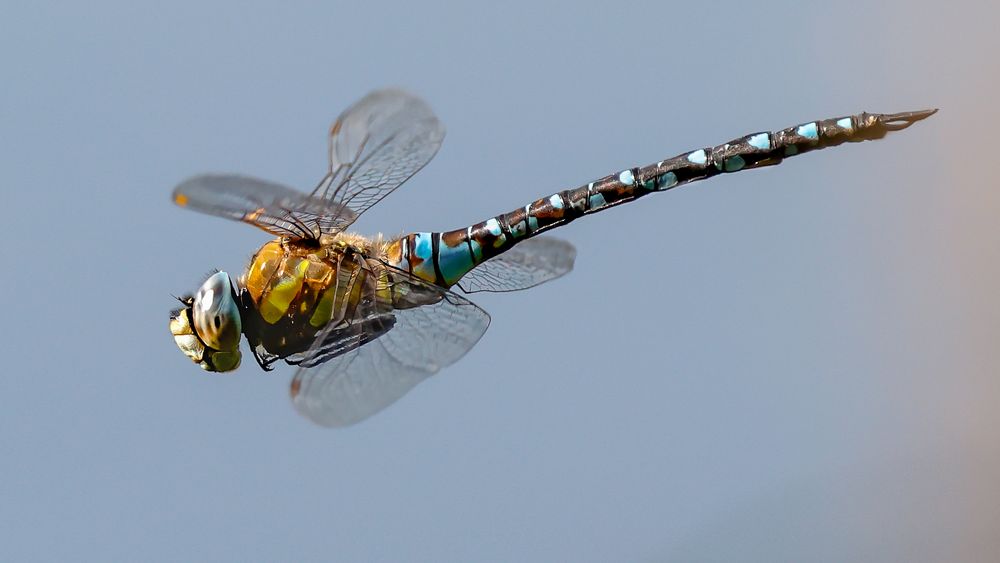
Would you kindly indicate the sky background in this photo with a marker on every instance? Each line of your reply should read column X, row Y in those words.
column 792, row 364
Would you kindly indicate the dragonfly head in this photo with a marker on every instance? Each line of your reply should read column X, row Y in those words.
column 207, row 329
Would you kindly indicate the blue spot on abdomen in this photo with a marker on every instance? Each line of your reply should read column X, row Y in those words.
column 698, row 157
column 760, row 141
column 808, row 131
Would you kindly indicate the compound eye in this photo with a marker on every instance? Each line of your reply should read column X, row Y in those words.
column 215, row 314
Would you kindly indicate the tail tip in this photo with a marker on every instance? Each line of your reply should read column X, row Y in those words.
column 897, row 121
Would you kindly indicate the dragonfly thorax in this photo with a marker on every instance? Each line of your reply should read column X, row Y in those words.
column 294, row 290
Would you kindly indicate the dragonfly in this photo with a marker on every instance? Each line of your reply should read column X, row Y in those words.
column 365, row 319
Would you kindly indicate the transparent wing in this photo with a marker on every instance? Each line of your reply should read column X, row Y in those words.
column 277, row 209
column 353, row 372
column 531, row 262
column 375, row 146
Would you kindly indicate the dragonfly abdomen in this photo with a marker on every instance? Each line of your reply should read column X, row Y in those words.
column 443, row 258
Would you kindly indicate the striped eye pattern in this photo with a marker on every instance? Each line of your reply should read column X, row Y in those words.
column 215, row 314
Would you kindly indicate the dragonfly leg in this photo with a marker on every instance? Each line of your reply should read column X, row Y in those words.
column 266, row 364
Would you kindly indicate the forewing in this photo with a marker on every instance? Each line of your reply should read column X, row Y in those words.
column 277, row 209
column 529, row 263
column 375, row 146
column 383, row 356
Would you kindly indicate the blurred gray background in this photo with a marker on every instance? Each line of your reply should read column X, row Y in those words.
column 793, row 364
